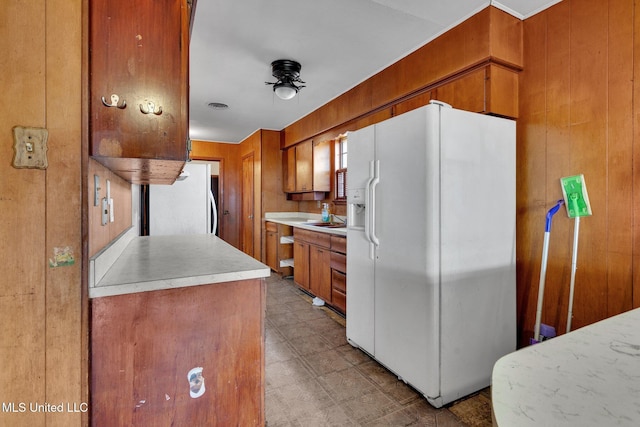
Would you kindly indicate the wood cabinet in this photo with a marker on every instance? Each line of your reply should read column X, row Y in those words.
column 138, row 106
column 320, row 266
column 301, row 263
column 304, row 167
column 306, row 170
column 279, row 247
column 319, row 272
column 338, row 265
column 144, row 346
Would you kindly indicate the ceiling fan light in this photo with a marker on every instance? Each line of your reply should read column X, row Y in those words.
column 285, row 90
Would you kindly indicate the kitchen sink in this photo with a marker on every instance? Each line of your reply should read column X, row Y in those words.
column 327, row 224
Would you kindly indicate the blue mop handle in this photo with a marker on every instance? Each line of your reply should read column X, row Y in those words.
column 551, row 213
column 543, row 269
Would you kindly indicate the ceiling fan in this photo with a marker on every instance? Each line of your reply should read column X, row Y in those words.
column 287, row 73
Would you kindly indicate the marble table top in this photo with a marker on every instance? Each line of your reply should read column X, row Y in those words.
column 588, row 377
column 162, row 262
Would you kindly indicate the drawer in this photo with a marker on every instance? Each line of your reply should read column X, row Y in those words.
column 339, row 300
column 339, row 244
column 339, row 262
column 338, row 281
column 312, row 237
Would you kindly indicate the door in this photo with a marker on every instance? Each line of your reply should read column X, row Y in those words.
column 301, row 268
column 360, row 280
column 406, row 225
column 247, row 222
column 320, row 272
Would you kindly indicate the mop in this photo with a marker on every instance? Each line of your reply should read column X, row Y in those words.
column 576, row 199
column 548, row 331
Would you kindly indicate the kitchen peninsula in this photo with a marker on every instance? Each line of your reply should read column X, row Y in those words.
column 588, row 377
column 177, row 333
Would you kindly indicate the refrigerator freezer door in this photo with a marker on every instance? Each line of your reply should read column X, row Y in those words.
column 360, row 280
column 406, row 272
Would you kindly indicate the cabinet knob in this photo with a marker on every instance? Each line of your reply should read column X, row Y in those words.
column 150, row 108
column 115, row 99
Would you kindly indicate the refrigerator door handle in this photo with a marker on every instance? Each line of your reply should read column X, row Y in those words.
column 372, row 210
column 367, row 198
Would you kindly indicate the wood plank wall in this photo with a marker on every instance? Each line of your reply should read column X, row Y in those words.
column 577, row 115
column 101, row 235
column 43, row 341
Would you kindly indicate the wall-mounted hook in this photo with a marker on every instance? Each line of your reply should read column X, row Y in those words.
column 150, row 108
column 114, row 102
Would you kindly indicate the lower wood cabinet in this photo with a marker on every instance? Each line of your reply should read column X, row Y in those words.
column 279, row 247
column 339, row 273
column 301, row 263
column 319, row 272
column 320, row 266
column 147, row 349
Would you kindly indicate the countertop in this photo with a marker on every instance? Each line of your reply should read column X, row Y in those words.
column 162, row 262
column 588, row 377
column 305, row 221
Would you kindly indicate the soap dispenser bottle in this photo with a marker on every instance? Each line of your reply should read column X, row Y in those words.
column 326, row 215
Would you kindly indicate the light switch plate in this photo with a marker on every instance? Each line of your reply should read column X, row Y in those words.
column 30, row 147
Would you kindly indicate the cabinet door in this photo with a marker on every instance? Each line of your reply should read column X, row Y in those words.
column 320, row 272
column 322, row 166
column 301, row 264
column 304, row 166
column 139, row 52
column 271, row 249
column 289, row 170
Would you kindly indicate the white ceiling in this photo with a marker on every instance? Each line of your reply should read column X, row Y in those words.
column 339, row 43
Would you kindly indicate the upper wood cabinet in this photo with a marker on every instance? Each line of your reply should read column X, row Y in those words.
column 138, row 107
column 306, row 170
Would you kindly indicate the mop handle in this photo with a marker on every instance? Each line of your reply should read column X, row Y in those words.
column 543, row 267
column 574, row 263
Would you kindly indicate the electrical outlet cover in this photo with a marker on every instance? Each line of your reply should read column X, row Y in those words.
column 30, row 147
column 576, row 199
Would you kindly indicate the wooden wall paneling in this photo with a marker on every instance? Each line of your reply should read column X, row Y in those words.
column 619, row 191
column 41, row 346
column 99, row 235
column 229, row 155
column 588, row 152
column 559, row 162
column 23, row 213
column 66, row 359
column 635, row 156
column 531, row 197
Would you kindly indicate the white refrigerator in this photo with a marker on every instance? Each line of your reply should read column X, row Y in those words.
column 431, row 283
column 185, row 207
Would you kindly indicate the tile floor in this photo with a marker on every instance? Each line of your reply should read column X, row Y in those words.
column 315, row 378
